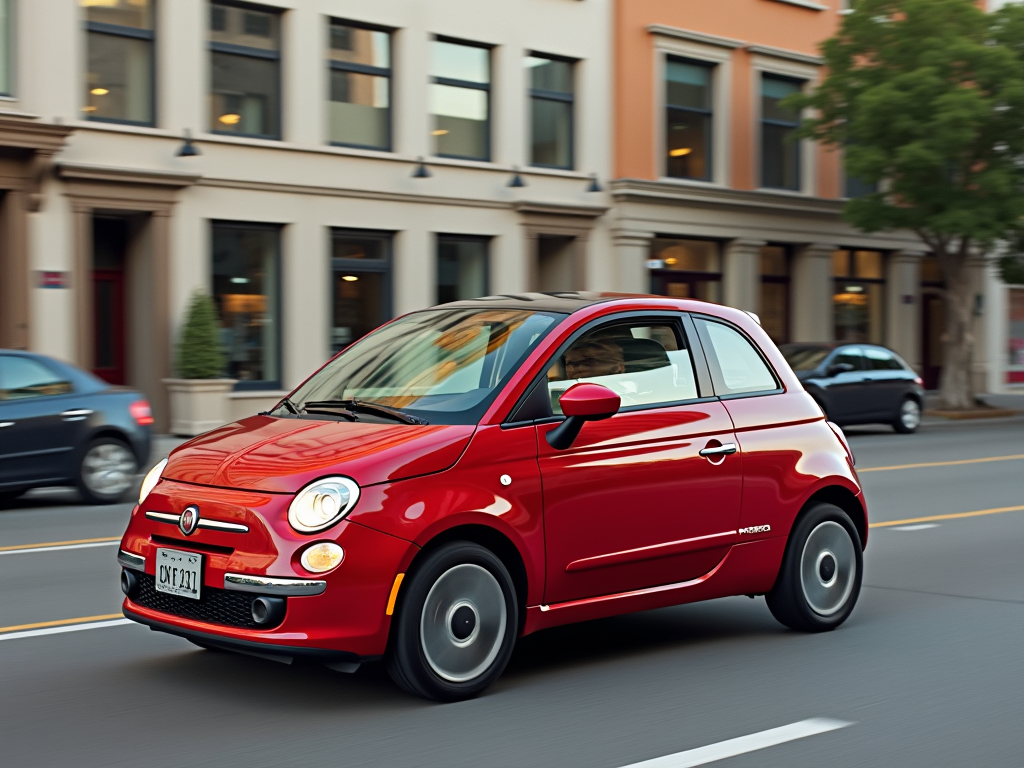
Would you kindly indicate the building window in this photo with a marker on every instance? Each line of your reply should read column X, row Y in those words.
column 774, row 310
column 858, row 297
column 687, row 269
column 1015, row 374
column 119, row 78
column 780, row 149
column 461, row 267
column 361, row 270
column 247, row 290
column 688, row 119
column 6, row 48
column 460, row 97
column 551, row 111
column 245, row 59
column 359, row 112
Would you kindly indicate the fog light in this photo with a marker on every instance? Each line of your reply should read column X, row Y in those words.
column 322, row 557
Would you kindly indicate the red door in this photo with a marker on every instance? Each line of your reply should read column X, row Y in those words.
column 632, row 504
column 108, row 325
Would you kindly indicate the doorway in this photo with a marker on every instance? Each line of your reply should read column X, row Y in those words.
column 556, row 264
column 933, row 325
column 111, row 236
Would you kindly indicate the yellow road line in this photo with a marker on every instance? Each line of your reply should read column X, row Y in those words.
column 953, row 516
column 1015, row 457
column 58, row 544
column 60, row 623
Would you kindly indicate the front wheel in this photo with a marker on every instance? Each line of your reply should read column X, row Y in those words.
column 821, row 573
column 106, row 471
column 456, row 624
column 908, row 419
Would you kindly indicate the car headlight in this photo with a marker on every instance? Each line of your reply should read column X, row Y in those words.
column 152, row 478
column 322, row 503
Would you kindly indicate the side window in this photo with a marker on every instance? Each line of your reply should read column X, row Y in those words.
column 21, row 377
column 645, row 363
column 851, row 356
column 736, row 366
column 879, row 359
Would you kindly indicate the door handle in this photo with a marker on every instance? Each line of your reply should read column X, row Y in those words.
column 6, row 424
column 726, row 449
column 76, row 415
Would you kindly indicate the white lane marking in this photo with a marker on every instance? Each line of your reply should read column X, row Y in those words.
column 744, row 744
column 56, row 549
column 921, row 527
column 68, row 628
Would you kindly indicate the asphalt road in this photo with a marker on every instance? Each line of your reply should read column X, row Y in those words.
column 927, row 672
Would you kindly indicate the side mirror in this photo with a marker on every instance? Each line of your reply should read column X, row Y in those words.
column 581, row 403
column 836, row 368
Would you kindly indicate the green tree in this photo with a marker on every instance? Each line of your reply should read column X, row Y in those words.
column 926, row 97
column 199, row 355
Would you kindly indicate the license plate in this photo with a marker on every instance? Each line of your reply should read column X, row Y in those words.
column 179, row 573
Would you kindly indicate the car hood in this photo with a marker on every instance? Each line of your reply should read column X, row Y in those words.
column 282, row 455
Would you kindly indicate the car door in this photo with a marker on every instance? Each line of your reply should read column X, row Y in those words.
column 885, row 382
column 39, row 425
column 632, row 503
column 845, row 393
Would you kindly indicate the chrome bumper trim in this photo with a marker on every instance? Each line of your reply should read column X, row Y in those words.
column 213, row 525
column 268, row 585
column 131, row 561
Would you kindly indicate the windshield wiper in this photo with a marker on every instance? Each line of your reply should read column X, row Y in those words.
column 355, row 404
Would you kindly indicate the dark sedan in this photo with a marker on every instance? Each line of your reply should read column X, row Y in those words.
column 859, row 383
column 62, row 426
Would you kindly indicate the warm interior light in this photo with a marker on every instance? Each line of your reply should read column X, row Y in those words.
column 680, row 152
column 671, row 261
column 88, row 109
column 349, row 278
column 854, row 289
column 99, row 91
column 439, row 132
column 230, row 119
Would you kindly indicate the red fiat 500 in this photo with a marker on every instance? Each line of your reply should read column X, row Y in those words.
column 478, row 471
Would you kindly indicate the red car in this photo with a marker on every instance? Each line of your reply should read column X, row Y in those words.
column 478, row 471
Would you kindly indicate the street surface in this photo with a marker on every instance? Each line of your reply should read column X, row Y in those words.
column 928, row 671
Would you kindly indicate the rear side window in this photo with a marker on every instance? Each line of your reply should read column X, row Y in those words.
column 22, row 377
column 879, row 359
column 736, row 365
column 849, row 356
column 645, row 363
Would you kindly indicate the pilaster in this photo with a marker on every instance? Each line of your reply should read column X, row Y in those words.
column 742, row 274
column 811, row 302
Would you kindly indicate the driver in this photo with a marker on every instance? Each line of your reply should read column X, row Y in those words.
column 594, row 357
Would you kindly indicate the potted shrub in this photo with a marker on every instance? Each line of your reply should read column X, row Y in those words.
column 199, row 398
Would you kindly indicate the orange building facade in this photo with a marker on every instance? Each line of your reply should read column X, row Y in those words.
column 715, row 200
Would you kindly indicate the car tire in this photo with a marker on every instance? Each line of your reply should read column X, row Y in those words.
column 456, row 624
column 106, row 471
column 822, row 568
column 7, row 498
column 908, row 417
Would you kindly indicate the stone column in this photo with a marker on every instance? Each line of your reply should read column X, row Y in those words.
column 742, row 274
column 160, row 318
column 632, row 250
column 81, row 285
column 903, row 305
column 15, row 272
column 811, row 294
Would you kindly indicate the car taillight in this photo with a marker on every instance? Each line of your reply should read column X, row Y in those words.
column 141, row 412
column 842, row 439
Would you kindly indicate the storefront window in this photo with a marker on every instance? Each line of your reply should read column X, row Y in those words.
column 361, row 268
column 774, row 310
column 1015, row 375
column 246, row 290
column 858, row 296
column 687, row 269
column 119, row 78
column 461, row 267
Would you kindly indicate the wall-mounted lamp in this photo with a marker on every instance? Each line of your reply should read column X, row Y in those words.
column 516, row 180
column 594, row 185
column 188, row 149
column 421, row 171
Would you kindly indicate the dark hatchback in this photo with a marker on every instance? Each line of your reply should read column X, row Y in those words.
column 62, row 426
column 859, row 383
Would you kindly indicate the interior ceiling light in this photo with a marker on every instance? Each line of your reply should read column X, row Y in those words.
column 230, row 119
column 99, row 91
column 439, row 132
column 88, row 109
column 854, row 289
column 680, row 152
column 349, row 278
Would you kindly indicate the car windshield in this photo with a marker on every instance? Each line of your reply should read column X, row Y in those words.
column 802, row 358
column 442, row 366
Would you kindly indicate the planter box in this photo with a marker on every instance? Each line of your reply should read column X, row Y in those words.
column 198, row 405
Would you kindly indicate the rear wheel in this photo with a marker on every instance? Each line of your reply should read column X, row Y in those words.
column 7, row 498
column 821, row 573
column 908, row 418
column 106, row 471
column 456, row 624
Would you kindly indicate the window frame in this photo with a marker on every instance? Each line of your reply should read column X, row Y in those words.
column 455, row 83
column 260, row 384
column 714, row 367
column 461, row 238
column 366, row 69
column 711, row 67
column 799, row 144
column 564, row 98
column 117, row 30
column 383, row 266
column 232, row 49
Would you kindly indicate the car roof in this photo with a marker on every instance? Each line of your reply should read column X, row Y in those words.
column 565, row 302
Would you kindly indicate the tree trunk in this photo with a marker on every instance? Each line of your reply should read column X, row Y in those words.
column 955, row 386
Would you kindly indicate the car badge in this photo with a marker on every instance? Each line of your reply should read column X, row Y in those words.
column 189, row 520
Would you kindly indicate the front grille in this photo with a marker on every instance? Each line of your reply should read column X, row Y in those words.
column 216, row 606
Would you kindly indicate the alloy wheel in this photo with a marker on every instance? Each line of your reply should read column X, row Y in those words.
column 108, row 469
column 828, row 568
column 910, row 415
